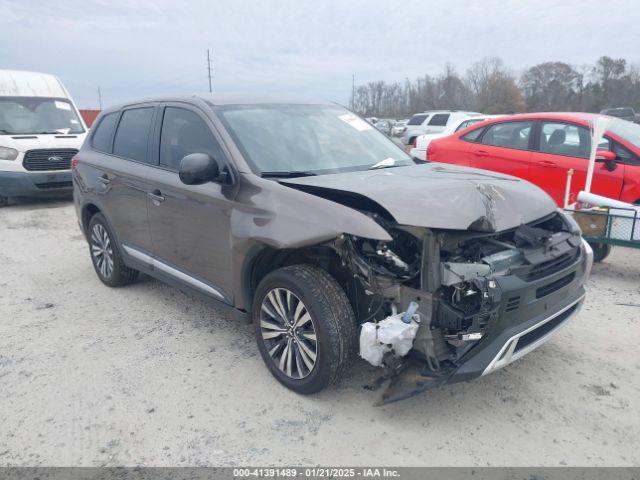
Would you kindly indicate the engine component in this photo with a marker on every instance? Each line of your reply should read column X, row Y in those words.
column 391, row 335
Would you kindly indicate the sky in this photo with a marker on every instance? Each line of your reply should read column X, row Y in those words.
column 296, row 48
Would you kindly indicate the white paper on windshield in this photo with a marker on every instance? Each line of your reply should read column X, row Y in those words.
column 62, row 105
column 355, row 122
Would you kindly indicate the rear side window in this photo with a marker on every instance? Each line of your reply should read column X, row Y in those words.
column 417, row 119
column 101, row 139
column 439, row 120
column 184, row 133
column 508, row 135
column 132, row 135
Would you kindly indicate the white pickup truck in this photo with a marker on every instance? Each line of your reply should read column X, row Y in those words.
column 40, row 131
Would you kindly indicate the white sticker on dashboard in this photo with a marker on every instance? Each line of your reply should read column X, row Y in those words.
column 62, row 105
column 355, row 122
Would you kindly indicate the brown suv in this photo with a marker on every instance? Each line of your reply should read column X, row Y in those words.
column 306, row 219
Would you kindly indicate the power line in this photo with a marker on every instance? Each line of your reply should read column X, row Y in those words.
column 209, row 69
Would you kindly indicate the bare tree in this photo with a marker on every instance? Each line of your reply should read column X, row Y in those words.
column 551, row 86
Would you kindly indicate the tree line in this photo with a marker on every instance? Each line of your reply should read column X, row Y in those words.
column 490, row 87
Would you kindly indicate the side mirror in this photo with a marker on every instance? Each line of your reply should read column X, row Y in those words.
column 608, row 158
column 198, row 168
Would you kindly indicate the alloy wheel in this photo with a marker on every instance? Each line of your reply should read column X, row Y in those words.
column 288, row 333
column 101, row 250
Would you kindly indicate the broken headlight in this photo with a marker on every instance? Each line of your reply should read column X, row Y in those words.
column 399, row 258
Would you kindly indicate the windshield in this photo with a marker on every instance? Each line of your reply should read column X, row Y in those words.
column 627, row 130
column 33, row 115
column 314, row 139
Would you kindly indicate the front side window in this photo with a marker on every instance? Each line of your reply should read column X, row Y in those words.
column 509, row 135
column 559, row 138
column 439, row 120
column 38, row 115
column 183, row 133
column 417, row 119
column 308, row 139
column 103, row 133
column 132, row 136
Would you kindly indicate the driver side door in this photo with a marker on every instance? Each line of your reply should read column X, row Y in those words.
column 189, row 224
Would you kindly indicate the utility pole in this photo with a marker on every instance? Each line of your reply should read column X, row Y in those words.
column 209, row 69
column 99, row 98
column 353, row 91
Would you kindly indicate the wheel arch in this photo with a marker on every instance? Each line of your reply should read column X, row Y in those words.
column 269, row 259
column 87, row 213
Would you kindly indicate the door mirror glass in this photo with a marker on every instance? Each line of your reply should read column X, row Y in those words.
column 198, row 168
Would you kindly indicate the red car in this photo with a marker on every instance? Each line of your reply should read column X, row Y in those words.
column 542, row 147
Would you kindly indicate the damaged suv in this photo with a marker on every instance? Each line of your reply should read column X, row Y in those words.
column 305, row 219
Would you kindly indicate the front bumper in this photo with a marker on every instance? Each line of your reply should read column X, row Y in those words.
column 537, row 318
column 18, row 184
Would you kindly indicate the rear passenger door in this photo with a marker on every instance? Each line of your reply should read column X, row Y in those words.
column 190, row 224
column 504, row 147
column 123, row 178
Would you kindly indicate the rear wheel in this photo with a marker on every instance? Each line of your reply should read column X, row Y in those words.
column 600, row 251
column 305, row 327
column 105, row 255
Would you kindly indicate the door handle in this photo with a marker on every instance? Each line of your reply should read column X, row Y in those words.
column 547, row 163
column 156, row 196
column 481, row 153
column 104, row 179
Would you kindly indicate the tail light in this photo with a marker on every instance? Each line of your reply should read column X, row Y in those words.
column 74, row 162
column 431, row 150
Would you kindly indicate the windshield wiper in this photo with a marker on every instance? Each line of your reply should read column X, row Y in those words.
column 386, row 163
column 2, row 130
column 291, row 174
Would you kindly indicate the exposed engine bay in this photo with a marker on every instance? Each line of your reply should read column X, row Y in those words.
column 455, row 282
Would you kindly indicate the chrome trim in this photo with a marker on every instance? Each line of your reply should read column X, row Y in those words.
column 588, row 258
column 506, row 354
column 174, row 272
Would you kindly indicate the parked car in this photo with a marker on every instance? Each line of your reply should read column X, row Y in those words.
column 434, row 121
column 308, row 221
column 625, row 113
column 422, row 142
column 542, row 147
column 40, row 130
column 399, row 127
column 384, row 126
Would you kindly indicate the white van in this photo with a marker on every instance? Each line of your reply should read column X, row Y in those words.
column 40, row 131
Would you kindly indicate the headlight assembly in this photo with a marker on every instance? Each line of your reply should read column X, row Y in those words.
column 7, row 153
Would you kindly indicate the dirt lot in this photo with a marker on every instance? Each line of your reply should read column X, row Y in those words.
column 146, row 375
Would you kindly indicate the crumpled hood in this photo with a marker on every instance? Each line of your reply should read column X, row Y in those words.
column 438, row 195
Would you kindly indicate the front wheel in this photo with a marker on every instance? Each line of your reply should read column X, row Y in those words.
column 600, row 251
column 305, row 327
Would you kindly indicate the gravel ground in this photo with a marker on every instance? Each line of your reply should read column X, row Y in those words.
column 146, row 375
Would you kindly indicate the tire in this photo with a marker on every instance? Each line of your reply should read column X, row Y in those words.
column 105, row 255
column 325, row 315
column 4, row 201
column 600, row 251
